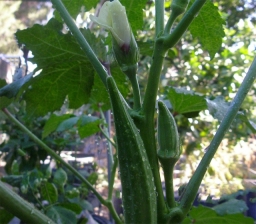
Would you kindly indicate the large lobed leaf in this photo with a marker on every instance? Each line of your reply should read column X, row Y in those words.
column 65, row 71
column 208, row 27
column 184, row 101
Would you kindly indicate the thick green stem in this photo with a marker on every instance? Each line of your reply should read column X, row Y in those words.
column 181, row 28
column 81, row 40
column 168, row 178
column 57, row 158
column 147, row 126
column 159, row 11
column 16, row 205
column 191, row 189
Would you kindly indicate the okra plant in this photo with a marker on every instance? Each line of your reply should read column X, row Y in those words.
column 141, row 146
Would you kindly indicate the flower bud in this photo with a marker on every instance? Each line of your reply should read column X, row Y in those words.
column 113, row 17
column 168, row 136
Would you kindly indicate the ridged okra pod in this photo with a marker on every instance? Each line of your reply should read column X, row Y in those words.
column 138, row 194
column 169, row 148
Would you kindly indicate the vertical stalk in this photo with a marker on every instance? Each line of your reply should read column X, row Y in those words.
column 159, row 16
column 147, row 126
column 168, row 177
column 191, row 189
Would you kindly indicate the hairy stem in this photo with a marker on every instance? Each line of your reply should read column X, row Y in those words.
column 57, row 158
column 16, row 205
column 191, row 189
column 81, row 40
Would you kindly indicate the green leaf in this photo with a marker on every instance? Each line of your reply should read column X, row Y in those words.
column 4, row 101
column 93, row 178
column 202, row 215
column 5, row 216
column 81, row 202
column 231, row 206
column 13, row 180
column 74, row 7
column 65, row 70
column 88, row 125
column 60, row 177
column 49, row 192
column 184, row 101
column 146, row 48
column 208, row 27
column 219, row 107
column 99, row 95
column 72, row 206
column 15, row 167
column 134, row 11
column 67, row 124
column 52, row 123
column 12, row 89
column 61, row 215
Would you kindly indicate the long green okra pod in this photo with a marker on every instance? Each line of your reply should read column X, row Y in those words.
column 138, row 193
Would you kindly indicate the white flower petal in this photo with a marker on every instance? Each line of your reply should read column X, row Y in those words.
column 113, row 17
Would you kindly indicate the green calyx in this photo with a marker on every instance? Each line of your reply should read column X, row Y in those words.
column 127, row 56
column 179, row 6
column 168, row 136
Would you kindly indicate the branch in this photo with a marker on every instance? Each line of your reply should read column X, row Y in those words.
column 16, row 205
column 191, row 189
column 159, row 11
column 174, row 37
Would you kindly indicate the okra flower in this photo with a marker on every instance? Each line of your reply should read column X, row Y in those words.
column 113, row 18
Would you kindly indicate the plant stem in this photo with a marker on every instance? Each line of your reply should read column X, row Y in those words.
column 159, row 16
column 191, row 189
column 16, row 205
column 81, row 40
column 107, row 137
column 136, row 92
column 113, row 212
column 168, row 178
column 147, row 127
column 170, row 22
column 187, row 19
column 56, row 157
column 105, row 132
column 111, row 182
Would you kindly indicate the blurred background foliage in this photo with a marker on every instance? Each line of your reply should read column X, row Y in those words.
column 186, row 65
